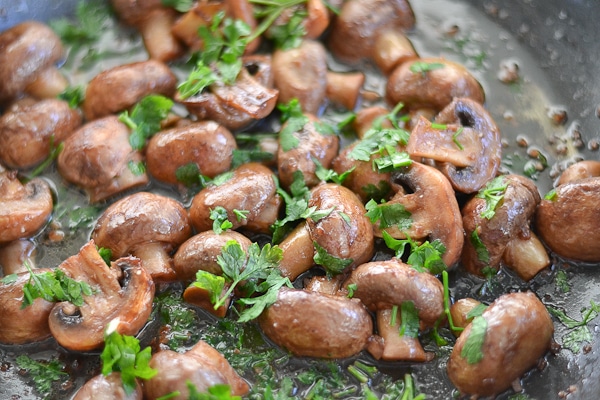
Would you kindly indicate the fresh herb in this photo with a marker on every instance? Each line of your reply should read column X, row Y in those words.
column 422, row 67
column 483, row 254
column 332, row 264
column 329, row 175
column 289, row 35
column 388, row 215
column 9, row 279
column 551, row 195
column 91, row 19
column 244, row 156
column 472, row 348
column 122, row 353
column 493, row 194
column 477, row 311
column 561, row 281
column 351, row 289
column 378, row 141
column 409, row 392
column 446, row 287
column 53, row 287
column 73, row 95
column 392, row 161
column 145, row 118
column 199, row 79
column 55, row 150
column 180, row 321
column 136, row 168
column 294, row 120
column 44, row 374
column 268, row 11
column 213, row 284
column 215, row 392
column 220, row 220
column 182, row 6
column 379, row 192
column 455, row 138
column 106, row 254
column 240, row 214
column 425, row 256
column 409, row 319
column 579, row 331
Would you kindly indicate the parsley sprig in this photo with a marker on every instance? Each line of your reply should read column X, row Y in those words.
column 286, row 36
column 422, row 257
column 471, row 350
column 493, row 194
column 333, row 265
column 422, row 67
column 145, row 118
column 54, row 286
column 388, row 215
column 294, row 120
column 44, row 374
column 579, row 332
column 91, row 19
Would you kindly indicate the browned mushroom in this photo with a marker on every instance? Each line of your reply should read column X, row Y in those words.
column 16, row 254
column 431, row 83
column 506, row 236
column 29, row 53
column 99, row 158
column 28, row 128
column 250, row 188
column 301, row 73
column 154, row 22
column 517, row 331
column 146, row 225
column 459, row 311
column 120, row 88
column 202, row 366
column 465, row 144
column 123, row 292
column 107, row 387
column 314, row 324
column 579, row 170
column 24, row 209
column 343, row 88
column 360, row 22
column 22, row 325
column 392, row 48
column 206, row 144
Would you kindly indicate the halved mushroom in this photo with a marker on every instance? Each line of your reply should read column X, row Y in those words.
column 99, row 158
column 146, row 225
column 22, row 325
column 506, row 236
column 29, row 53
column 29, row 127
column 202, row 366
column 122, row 292
column 250, row 188
column 314, row 324
column 465, row 144
column 24, row 209
column 206, row 144
column 107, row 387
column 431, row 83
column 121, row 87
column 429, row 198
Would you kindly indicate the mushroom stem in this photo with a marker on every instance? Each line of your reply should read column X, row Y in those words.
column 155, row 260
column 160, row 42
column 48, row 84
column 526, row 257
column 344, row 88
column 298, row 252
column 398, row 347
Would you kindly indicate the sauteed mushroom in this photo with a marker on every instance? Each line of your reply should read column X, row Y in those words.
column 579, row 170
column 107, row 387
column 123, row 292
column 14, row 255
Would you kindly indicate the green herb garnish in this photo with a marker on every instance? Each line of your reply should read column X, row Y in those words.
column 43, row 373
column 332, row 264
column 145, row 118
column 493, row 194
column 472, row 349
column 425, row 256
column 579, row 331
column 409, row 320
column 388, row 215
column 220, row 220
column 421, row 67
column 294, row 120
column 54, row 286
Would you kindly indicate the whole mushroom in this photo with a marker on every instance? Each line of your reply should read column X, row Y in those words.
column 107, row 387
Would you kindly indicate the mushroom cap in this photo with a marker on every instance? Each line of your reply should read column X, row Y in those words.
column 24, row 209
column 123, row 292
column 133, row 12
column 26, row 49
column 107, row 387
column 142, row 218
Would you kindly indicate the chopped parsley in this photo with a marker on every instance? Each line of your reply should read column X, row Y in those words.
column 91, row 19
column 409, row 319
column 329, row 175
column 218, row 391
column 483, row 254
column 333, row 265
column 220, row 220
column 561, row 281
column 136, row 168
column 425, row 256
column 145, row 118
column 493, row 194
column 388, row 215
column 551, row 195
column 179, row 5
column 422, row 67
column 55, row 150
column 579, row 332
column 44, row 373
column 73, row 95
column 294, row 120
column 472, row 348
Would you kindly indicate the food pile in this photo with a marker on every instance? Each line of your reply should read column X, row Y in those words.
column 243, row 168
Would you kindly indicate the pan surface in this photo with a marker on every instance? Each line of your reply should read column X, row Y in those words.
column 557, row 46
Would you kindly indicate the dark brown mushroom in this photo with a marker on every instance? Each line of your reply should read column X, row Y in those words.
column 465, row 144
column 24, row 209
column 206, row 144
column 301, row 73
column 431, row 83
column 355, row 31
column 28, row 128
column 123, row 293
column 29, row 53
column 121, row 87
column 313, row 324
column 507, row 236
column 99, row 158
column 107, row 387
column 20, row 325
column 250, row 188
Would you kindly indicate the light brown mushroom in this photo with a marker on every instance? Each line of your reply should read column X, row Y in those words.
column 99, row 158
column 16, row 254
column 123, row 292
column 459, row 311
column 121, row 87
column 392, row 48
column 28, row 128
column 29, row 54
column 146, row 225
column 344, row 88
column 579, row 170
column 107, row 387
column 24, row 209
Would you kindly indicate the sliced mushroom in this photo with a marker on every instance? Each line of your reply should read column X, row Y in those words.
column 206, row 144
column 99, row 158
column 123, row 292
column 250, row 188
column 429, row 198
column 431, row 83
column 465, row 145
column 29, row 53
column 20, row 325
column 107, row 387
column 146, row 225
column 24, row 209
column 301, row 73
column 313, row 324
column 29, row 127
column 505, row 235
column 120, row 88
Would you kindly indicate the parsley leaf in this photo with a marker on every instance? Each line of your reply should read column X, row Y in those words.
column 122, row 353
column 388, row 215
column 393, row 160
column 220, row 220
column 244, row 156
column 329, row 175
column 53, row 287
column 182, row 6
column 74, row 95
column 482, row 252
column 294, row 120
column 580, row 332
column 378, row 141
column 145, row 118
column 561, row 281
column 332, row 264
column 425, row 256
column 9, row 279
column 551, row 195
column 268, row 12
column 44, row 374
column 471, row 350
column 493, row 193
column 296, row 206
column 87, row 27
column 212, row 283
column 422, row 67
column 55, row 150
column 409, row 319
column 218, row 391
column 289, row 35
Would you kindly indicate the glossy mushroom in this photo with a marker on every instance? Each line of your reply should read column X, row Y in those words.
column 29, row 54
column 123, row 292
column 392, row 48
column 344, row 88
column 99, row 158
column 121, row 87
column 107, row 387
column 16, row 254
column 579, row 170
column 146, row 225
column 28, row 128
